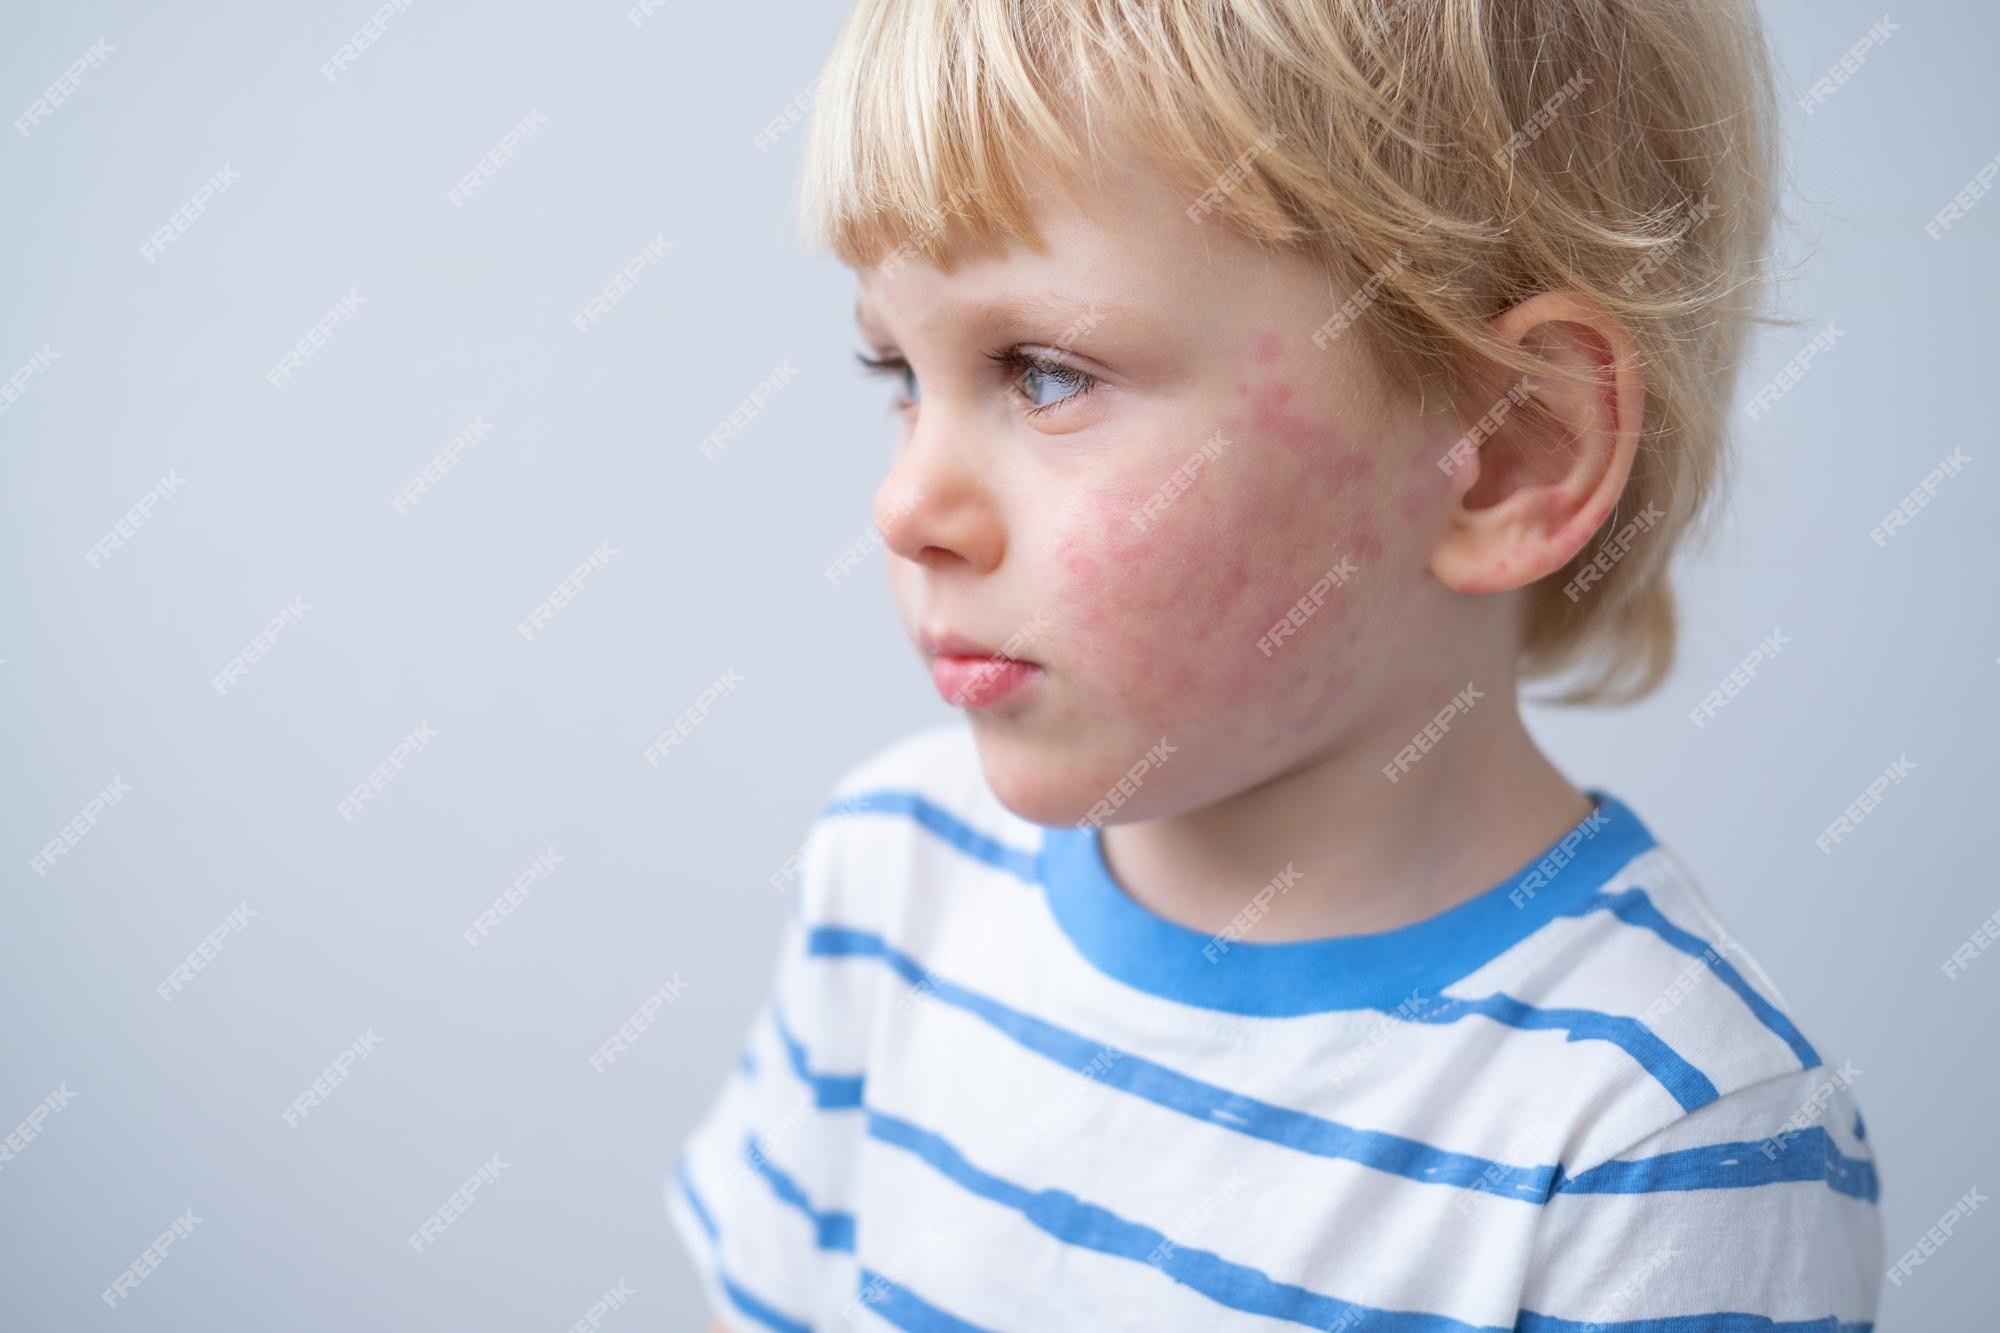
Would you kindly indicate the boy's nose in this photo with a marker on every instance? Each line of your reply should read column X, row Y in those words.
column 934, row 508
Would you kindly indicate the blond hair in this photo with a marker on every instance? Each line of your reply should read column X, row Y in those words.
column 1451, row 157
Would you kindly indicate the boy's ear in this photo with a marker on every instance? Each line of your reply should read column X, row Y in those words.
column 1546, row 470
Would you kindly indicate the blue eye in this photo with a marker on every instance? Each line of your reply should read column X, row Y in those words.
column 1044, row 381
column 1036, row 380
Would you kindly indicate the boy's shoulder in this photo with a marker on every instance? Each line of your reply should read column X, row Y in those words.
column 1656, row 969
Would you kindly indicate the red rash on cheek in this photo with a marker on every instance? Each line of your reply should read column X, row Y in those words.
column 1350, row 468
column 1078, row 552
column 1270, row 415
column 1163, row 612
column 1167, row 614
column 1168, row 617
column 1230, row 587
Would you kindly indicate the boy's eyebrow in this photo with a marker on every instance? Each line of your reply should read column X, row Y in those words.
column 1076, row 315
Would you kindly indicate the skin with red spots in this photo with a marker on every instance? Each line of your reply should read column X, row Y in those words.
column 1271, row 415
column 1221, row 535
column 1350, row 468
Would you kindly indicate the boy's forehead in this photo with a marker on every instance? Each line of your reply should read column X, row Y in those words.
column 977, row 306
column 1128, row 254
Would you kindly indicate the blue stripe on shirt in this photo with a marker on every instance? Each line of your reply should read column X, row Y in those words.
column 744, row 1300
column 946, row 825
column 1077, row 1222
column 1388, row 1152
column 1636, row 909
column 831, row 1230
column 1686, row 1083
column 900, row 1306
column 1123, row 938
column 1803, row 1155
column 1300, row 1130
column 831, row 1092
column 1530, row 1322
column 1689, row 1086
column 1806, row 1154
column 835, row 1231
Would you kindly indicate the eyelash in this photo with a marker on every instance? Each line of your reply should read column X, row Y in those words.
column 1018, row 360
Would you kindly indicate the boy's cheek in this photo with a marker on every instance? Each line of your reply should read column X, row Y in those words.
column 1171, row 619
column 1168, row 582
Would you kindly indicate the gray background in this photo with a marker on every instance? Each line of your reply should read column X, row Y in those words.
column 665, row 873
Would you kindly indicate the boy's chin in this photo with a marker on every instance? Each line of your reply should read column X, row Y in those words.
column 1044, row 781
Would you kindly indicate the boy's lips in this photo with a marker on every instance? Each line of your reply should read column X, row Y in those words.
column 971, row 675
column 947, row 644
column 980, row 682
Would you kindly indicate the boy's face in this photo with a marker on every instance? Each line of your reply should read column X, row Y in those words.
column 1221, row 541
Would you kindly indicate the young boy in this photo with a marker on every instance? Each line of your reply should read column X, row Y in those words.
column 1280, row 381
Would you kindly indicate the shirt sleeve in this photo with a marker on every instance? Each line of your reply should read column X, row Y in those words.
column 761, row 1192
column 1761, row 1204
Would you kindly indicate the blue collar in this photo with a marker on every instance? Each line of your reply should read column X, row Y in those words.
column 1374, row 971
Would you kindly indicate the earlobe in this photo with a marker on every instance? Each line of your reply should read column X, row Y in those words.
column 1544, row 465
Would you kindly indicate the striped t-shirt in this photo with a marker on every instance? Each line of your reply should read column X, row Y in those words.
column 992, row 1091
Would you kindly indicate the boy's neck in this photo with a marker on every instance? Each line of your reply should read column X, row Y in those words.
column 1368, row 854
